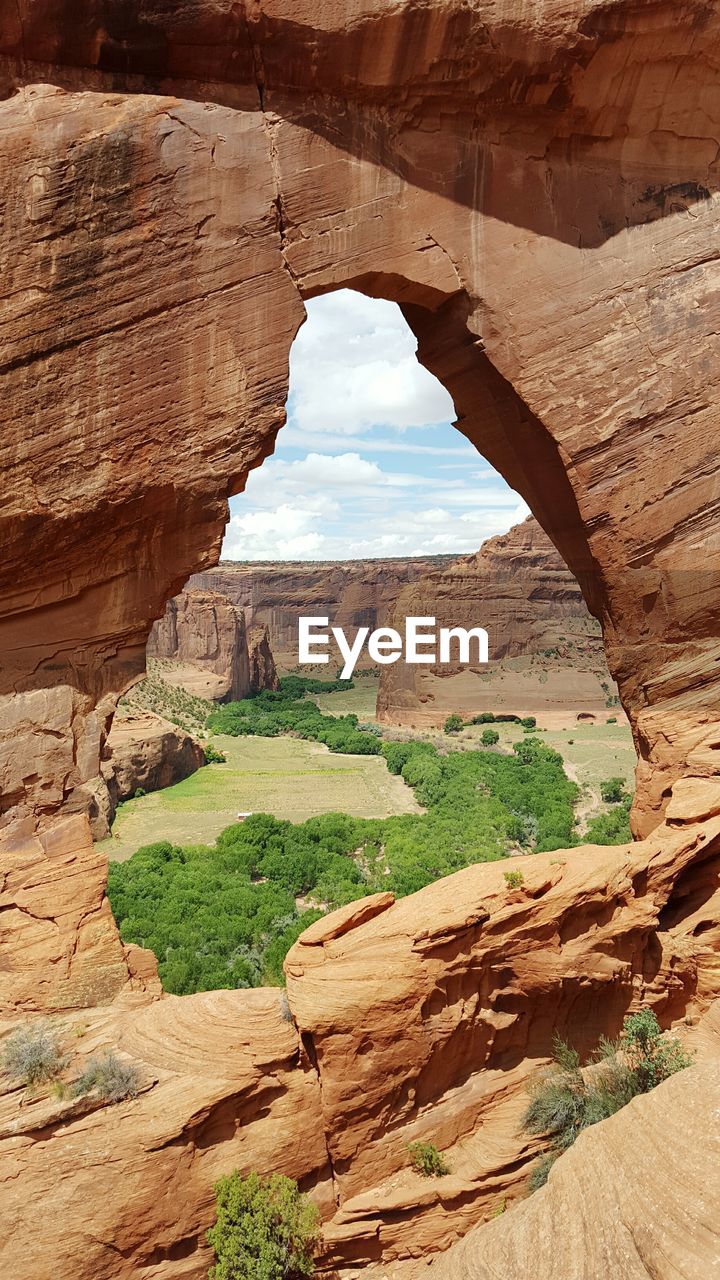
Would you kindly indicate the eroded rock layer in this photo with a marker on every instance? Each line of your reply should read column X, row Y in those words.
column 204, row 630
column 145, row 753
column 351, row 593
column 537, row 188
column 519, row 589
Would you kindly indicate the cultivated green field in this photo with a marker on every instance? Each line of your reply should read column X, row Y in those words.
column 359, row 700
column 286, row 777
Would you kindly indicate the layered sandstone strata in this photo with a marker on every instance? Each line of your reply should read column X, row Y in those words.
column 204, row 632
column 178, row 182
column 520, row 590
column 351, row 593
column 417, row 1019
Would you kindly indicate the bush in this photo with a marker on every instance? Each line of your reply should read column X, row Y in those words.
column 514, row 879
column 485, row 717
column 112, row 1079
column 529, row 722
column 611, row 720
column 489, row 737
column 564, row 1101
column 427, row 1160
column 612, row 827
column 265, row 1229
column 612, row 790
column 213, row 756
column 32, row 1054
column 453, row 724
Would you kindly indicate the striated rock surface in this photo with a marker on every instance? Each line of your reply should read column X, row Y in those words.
column 616, row 1203
column 263, row 672
column 538, row 192
column 421, row 1018
column 520, row 590
column 352, row 593
column 59, row 941
column 145, row 752
column 203, row 630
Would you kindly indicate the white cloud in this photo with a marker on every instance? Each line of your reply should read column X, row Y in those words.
column 353, row 366
column 331, row 491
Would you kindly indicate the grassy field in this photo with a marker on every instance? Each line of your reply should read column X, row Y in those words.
column 286, row 777
column 360, row 699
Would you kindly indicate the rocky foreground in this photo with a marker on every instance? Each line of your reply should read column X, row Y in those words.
column 422, row 1018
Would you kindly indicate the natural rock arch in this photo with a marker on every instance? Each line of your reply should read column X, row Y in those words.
column 537, row 189
column 159, row 253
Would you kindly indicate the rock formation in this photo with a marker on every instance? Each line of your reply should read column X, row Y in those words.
column 203, row 631
column 519, row 589
column 422, row 1018
column 548, row 229
column 145, row 752
column 536, row 185
column 352, row 593
column 263, row 672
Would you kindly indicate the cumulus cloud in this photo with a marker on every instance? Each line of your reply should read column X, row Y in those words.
column 353, row 366
column 358, row 471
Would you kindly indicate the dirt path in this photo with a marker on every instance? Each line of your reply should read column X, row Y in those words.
column 590, row 801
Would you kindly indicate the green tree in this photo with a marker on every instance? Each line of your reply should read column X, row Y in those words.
column 489, row 737
column 266, row 1229
column 453, row 724
column 612, row 790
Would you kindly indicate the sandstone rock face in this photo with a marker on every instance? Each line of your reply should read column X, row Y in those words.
column 547, row 226
column 520, row 590
column 422, row 1018
column 263, row 672
column 537, row 187
column 203, row 629
column 60, row 943
column 352, row 593
column 615, row 1200
column 145, row 752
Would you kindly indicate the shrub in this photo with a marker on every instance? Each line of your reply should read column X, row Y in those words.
column 612, row 790
column 32, row 1054
column 427, row 1160
column 453, row 724
column 265, row 1229
column 213, row 756
column 564, row 1101
column 612, row 720
column 514, row 879
column 529, row 722
column 138, row 793
column 114, row 1080
column 485, row 717
column 489, row 737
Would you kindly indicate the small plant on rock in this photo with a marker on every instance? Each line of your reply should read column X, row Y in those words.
column 427, row 1160
column 564, row 1100
column 32, row 1054
column 514, row 879
column 266, row 1229
column 113, row 1079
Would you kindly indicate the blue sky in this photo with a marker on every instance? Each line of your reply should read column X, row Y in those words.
column 368, row 464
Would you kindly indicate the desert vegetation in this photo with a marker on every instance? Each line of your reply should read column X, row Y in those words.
column 266, row 1229
column 427, row 1160
column 570, row 1096
column 226, row 916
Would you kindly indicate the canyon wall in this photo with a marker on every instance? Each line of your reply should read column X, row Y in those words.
column 352, row 593
column 203, row 630
column 537, row 186
column 144, row 752
column 520, row 590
